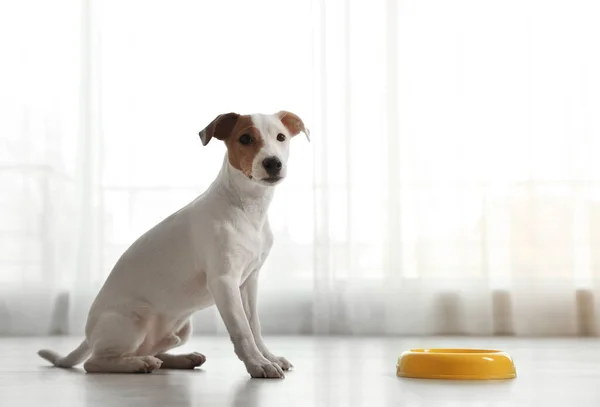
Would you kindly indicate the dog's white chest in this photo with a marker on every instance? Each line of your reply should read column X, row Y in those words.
column 255, row 254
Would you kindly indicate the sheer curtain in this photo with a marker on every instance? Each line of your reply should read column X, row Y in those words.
column 451, row 185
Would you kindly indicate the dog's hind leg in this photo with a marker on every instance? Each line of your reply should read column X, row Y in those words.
column 114, row 340
column 185, row 361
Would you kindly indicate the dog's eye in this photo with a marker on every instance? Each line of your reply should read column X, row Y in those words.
column 245, row 139
column 280, row 137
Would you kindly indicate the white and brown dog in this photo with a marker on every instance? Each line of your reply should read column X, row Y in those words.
column 209, row 252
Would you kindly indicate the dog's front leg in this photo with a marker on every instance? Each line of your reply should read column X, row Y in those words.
column 250, row 299
column 228, row 300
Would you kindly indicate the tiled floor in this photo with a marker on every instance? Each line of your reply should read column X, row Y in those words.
column 329, row 372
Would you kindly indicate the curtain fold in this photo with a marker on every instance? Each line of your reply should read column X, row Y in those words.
column 450, row 187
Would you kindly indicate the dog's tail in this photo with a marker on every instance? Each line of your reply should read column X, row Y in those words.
column 72, row 359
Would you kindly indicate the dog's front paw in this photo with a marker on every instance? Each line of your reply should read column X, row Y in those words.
column 264, row 369
column 281, row 361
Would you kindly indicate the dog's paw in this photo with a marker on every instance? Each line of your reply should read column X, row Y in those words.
column 281, row 361
column 265, row 370
column 195, row 359
column 148, row 364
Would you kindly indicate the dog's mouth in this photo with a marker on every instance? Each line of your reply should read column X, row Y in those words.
column 271, row 180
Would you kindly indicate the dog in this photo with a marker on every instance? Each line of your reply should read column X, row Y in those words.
column 208, row 253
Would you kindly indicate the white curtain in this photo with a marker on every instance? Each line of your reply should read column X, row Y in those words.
column 452, row 185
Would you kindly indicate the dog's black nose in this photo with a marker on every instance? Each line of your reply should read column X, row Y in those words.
column 272, row 165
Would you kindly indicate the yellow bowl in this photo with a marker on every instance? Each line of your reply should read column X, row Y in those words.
column 456, row 364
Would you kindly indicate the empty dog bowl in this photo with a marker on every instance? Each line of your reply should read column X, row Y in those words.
column 456, row 364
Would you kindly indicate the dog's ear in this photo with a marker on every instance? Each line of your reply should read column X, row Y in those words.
column 293, row 123
column 219, row 128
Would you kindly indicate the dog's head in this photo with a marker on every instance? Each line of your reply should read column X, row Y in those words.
column 257, row 145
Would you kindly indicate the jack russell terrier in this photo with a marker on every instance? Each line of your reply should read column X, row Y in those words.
column 209, row 252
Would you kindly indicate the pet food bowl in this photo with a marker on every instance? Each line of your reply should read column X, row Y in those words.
column 456, row 364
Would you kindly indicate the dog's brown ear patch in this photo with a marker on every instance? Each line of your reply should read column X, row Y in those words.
column 220, row 128
column 293, row 123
